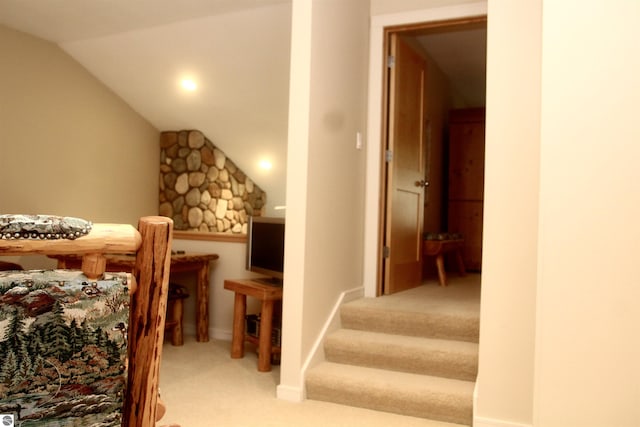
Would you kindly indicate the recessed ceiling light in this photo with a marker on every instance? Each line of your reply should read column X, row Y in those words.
column 265, row 164
column 188, row 84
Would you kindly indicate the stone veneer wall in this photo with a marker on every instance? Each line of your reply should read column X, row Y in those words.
column 203, row 190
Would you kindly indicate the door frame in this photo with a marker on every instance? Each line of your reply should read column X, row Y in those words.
column 376, row 128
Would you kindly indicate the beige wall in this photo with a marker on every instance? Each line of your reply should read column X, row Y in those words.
column 69, row 146
column 588, row 321
column 325, row 176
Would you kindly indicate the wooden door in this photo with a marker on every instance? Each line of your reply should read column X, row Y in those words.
column 405, row 168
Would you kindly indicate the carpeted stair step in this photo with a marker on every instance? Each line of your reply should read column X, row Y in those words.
column 360, row 315
column 427, row 356
column 423, row 396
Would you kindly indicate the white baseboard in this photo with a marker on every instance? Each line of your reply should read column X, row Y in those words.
column 333, row 323
column 488, row 422
column 291, row 394
column 220, row 334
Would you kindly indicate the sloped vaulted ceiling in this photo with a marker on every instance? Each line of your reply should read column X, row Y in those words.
column 236, row 50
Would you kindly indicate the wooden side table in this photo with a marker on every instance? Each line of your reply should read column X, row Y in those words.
column 266, row 293
column 180, row 262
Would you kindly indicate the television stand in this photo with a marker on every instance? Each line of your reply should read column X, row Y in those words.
column 268, row 294
column 271, row 281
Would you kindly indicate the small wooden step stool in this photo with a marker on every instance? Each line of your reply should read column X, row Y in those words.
column 437, row 244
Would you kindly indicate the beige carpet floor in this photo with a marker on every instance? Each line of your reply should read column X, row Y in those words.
column 461, row 297
column 202, row 386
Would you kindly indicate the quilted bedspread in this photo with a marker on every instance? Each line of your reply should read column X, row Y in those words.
column 63, row 348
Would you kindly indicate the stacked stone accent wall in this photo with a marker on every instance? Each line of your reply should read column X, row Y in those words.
column 203, row 190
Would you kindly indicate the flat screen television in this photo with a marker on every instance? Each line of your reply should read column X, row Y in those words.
column 265, row 247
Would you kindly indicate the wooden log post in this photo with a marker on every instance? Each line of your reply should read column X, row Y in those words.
column 147, row 320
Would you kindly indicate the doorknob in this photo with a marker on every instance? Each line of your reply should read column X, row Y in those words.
column 422, row 183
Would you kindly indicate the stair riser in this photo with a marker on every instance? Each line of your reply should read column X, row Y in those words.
column 447, row 365
column 411, row 324
column 434, row 407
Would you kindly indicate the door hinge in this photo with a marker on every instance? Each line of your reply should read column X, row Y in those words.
column 388, row 155
column 385, row 251
column 391, row 61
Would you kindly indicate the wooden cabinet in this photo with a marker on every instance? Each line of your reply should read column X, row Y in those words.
column 466, row 181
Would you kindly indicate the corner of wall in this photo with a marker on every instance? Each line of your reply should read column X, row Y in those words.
column 316, row 355
column 290, row 394
column 201, row 189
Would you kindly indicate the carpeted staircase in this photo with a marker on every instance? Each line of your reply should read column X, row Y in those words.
column 416, row 359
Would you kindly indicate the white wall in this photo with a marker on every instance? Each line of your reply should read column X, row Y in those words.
column 507, row 323
column 385, row 7
column 561, row 166
column 229, row 265
column 588, row 322
column 325, row 184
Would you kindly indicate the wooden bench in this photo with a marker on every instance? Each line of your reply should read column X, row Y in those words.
column 437, row 245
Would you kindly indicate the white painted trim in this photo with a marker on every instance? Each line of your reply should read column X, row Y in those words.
column 316, row 355
column 374, row 114
column 291, row 394
column 488, row 422
column 219, row 334
column 474, row 401
column 433, row 14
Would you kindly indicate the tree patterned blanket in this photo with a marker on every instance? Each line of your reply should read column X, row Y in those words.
column 63, row 348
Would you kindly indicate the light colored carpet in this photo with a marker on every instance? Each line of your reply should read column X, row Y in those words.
column 411, row 353
column 202, row 386
column 451, row 312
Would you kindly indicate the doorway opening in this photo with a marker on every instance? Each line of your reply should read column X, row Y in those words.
column 432, row 159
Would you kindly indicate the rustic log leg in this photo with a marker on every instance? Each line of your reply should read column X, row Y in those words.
column 177, row 315
column 239, row 313
column 93, row 266
column 264, row 343
column 442, row 274
column 147, row 318
column 202, row 298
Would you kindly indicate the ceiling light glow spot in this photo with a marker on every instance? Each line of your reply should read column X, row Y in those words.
column 265, row 164
column 188, row 84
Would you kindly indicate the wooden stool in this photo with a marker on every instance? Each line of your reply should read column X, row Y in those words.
column 175, row 312
column 269, row 295
column 440, row 245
